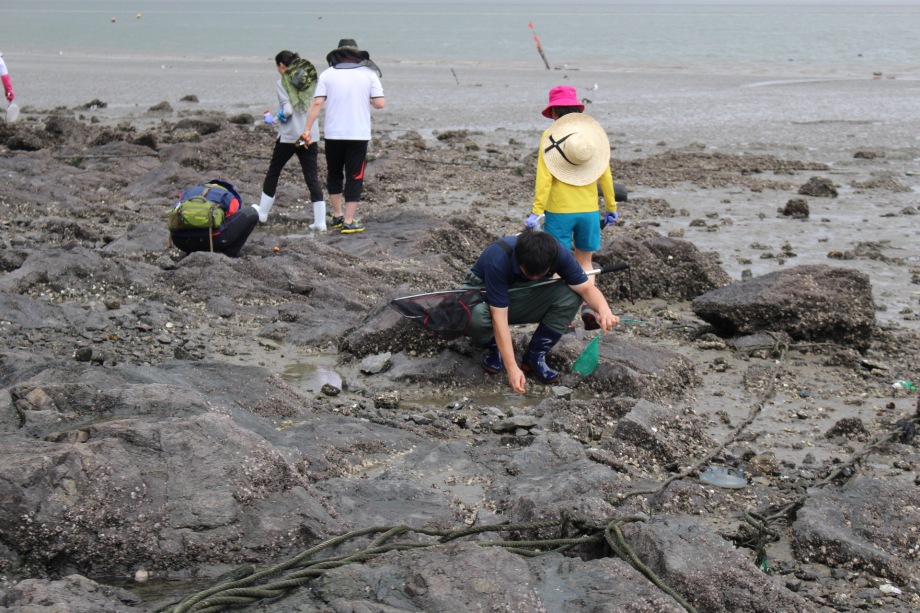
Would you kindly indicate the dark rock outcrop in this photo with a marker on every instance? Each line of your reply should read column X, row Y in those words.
column 661, row 267
column 809, row 303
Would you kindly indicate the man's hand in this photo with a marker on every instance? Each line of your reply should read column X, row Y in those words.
column 607, row 320
column 516, row 378
column 597, row 303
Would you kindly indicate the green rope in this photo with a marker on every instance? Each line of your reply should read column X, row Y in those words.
column 301, row 569
column 187, row 604
column 756, row 532
column 239, row 587
column 617, row 542
column 542, row 546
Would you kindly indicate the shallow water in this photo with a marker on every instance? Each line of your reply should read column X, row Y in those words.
column 870, row 35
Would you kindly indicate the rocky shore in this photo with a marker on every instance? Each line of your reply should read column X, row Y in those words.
column 167, row 419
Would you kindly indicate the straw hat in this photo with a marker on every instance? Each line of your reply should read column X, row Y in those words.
column 576, row 149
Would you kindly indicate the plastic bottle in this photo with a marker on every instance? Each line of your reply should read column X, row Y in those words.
column 269, row 118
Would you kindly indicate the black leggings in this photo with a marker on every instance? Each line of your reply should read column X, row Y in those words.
column 308, row 164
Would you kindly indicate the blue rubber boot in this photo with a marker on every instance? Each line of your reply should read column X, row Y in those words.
column 492, row 363
column 544, row 339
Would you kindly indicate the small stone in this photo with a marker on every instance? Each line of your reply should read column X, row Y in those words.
column 374, row 364
column 524, row 421
column 797, row 208
column 388, row 400
column 563, row 392
column 819, row 187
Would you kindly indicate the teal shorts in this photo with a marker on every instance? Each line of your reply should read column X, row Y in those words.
column 585, row 227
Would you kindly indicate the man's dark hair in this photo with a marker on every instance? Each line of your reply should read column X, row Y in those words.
column 536, row 251
column 565, row 110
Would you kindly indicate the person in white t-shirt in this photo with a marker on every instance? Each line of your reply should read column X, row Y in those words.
column 348, row 89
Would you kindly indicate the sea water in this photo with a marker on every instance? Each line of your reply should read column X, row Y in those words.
column 867, row 36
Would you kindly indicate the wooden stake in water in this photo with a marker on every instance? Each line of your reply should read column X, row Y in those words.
column 539, row 47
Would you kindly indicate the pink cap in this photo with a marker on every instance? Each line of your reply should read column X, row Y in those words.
column 562, row 95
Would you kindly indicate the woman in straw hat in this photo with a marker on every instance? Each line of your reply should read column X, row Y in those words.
column 574, row 157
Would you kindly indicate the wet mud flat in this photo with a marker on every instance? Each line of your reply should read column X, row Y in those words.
column 170, row 419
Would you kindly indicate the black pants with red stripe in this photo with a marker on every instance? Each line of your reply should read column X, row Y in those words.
column 345, row 163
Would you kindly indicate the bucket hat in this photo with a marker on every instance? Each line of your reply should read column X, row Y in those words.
column 348, row 51
column 576, row 149
column 562, row 95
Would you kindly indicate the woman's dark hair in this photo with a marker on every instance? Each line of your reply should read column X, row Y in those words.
column 565, row 110
column 286, row 57
column 536, row 251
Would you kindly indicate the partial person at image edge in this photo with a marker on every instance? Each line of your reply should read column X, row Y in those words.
column 7, row 80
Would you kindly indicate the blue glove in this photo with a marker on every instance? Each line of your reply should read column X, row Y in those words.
column 532, row 221
column 610, row 218
column 281, row 117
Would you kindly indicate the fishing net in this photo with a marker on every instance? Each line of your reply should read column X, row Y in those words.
column 446, row 315
column 587, row 362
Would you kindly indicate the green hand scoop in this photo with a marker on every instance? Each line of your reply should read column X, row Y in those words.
column 587, row 362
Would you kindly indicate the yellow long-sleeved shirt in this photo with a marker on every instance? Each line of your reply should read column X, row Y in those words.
column 555, row 196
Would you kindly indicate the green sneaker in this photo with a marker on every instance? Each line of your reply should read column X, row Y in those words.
column 352, row 228
column 337, row 222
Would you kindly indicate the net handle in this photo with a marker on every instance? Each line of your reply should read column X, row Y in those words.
column 597, row 271
column 610, row 268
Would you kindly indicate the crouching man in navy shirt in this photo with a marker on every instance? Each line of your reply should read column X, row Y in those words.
column 520, row 263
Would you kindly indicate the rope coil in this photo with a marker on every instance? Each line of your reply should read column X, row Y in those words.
column 755, row 533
